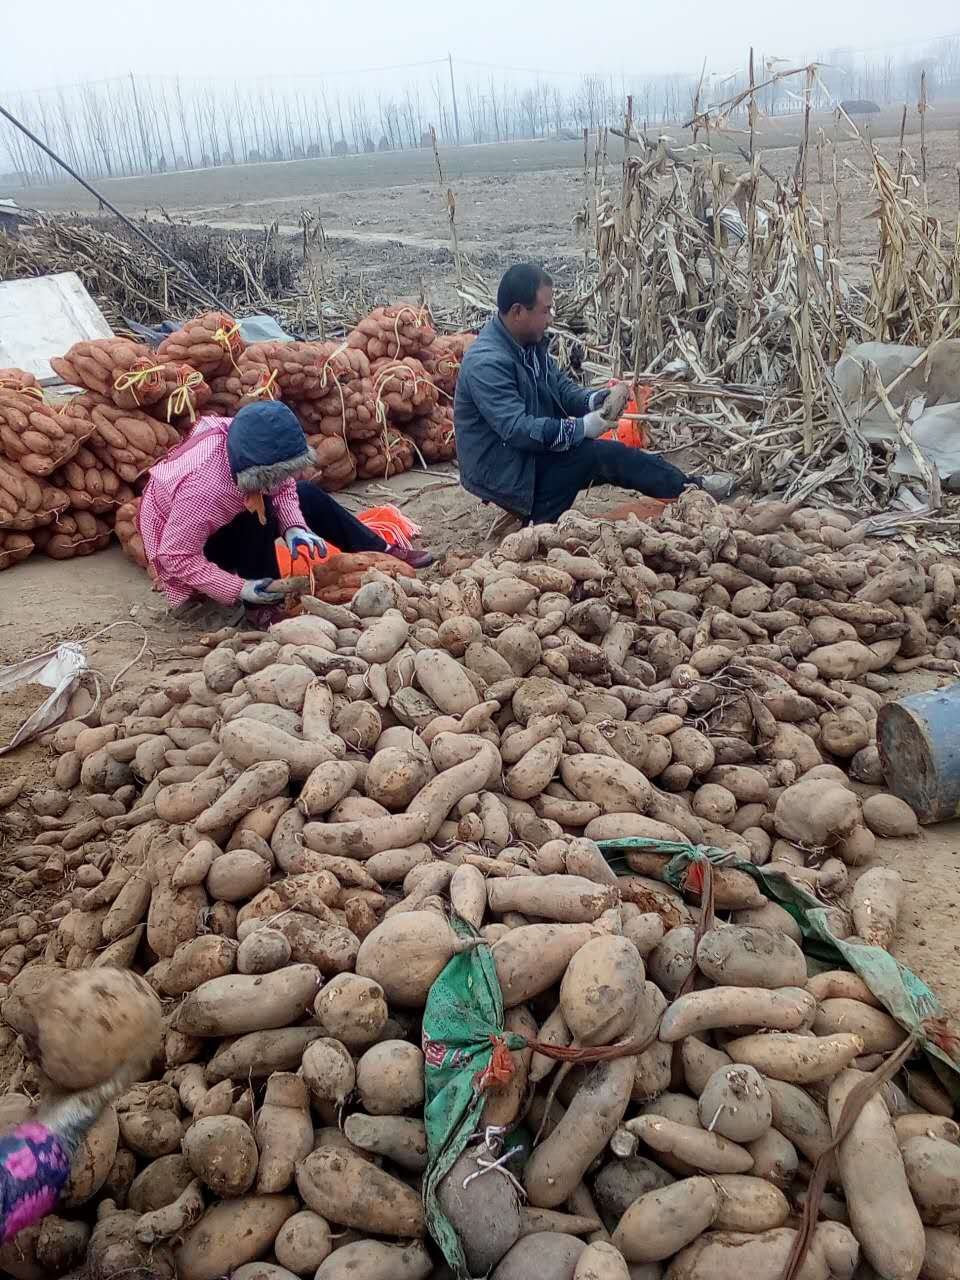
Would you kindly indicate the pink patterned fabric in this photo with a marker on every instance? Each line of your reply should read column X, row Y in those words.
column 34, row 1167
column 189, row 496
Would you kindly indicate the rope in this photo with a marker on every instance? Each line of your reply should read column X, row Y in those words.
column 135, row 378
column 228, row 339
column 180, row 401
column 264, row 388
column 10, row 385
column 857, row 1099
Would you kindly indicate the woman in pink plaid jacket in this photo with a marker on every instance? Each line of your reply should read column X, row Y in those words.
column 214, row 508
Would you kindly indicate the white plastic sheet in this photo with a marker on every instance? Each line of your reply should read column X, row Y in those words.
column 929, row 393
column 59, row 670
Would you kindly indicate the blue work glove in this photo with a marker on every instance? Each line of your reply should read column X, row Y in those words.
column 298, row 539
column 254, row 591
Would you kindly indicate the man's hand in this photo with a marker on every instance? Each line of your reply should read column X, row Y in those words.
column 299, row 539
column 615, row 403
column 254, row 591
column 595, row 425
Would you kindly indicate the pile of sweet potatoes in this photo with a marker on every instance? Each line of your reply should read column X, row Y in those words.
column 275, row 837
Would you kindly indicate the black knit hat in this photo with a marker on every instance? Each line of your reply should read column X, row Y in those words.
column 266, row 446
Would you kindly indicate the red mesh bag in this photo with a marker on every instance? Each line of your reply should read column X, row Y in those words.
column 128, row 532
column 14, row 547
column 434, row 435
column 404, row 390
column 336, row 467
column 393, row 332
column 27, row 502
column 389, row 454
column 443, row 358
column 78, row 533
column 209, row 343
column 34, row 435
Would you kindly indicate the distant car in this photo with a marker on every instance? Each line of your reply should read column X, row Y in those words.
column 859, row 107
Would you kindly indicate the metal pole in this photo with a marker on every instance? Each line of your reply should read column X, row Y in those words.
column 453, row 92
column 203, row 292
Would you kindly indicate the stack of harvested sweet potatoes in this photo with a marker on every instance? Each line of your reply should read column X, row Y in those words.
column 210, row 343
column 275, row 839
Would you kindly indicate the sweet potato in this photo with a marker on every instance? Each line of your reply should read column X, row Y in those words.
column 785, row 1009
column 932, row 1166
column 390, row 1078
column 882, row 1212
column 694, row 1146
column 484, row 1212
column 231, row 1233
column 405, row 953
column 888, row 816
column 796, row 1059
column 616, row 787
column 85, row 1026
column 543, row 1253
column 283, row 1132
column 303, row 1242
column 816, row 816
column 558, row 1164
column 602, row 990
column 875, row 904
column 735, row 1103
column 344, row 1188
column 222, row 1153
column 377, row 1261
column 248, row 742
column 261, row 1053
column 660, row 1223
column 239, row 1003
column 531, row 959
column 743, row 956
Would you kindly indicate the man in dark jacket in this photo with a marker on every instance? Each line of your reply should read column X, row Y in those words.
column 527, row 435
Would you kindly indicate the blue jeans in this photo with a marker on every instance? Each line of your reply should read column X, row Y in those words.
column 561, row 476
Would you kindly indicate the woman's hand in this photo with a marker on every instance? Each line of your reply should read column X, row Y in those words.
column 303, row 540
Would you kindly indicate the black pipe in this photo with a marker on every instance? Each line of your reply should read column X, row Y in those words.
column 203, row 291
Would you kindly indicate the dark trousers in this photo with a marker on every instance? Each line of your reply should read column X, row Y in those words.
column 246, row 547
column 561, row 476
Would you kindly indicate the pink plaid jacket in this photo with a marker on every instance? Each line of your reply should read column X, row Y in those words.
column 189, row 496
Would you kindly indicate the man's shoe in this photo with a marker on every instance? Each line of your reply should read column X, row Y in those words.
column 718, row 484
column 415, row 557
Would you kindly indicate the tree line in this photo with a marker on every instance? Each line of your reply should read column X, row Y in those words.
column 147, row 124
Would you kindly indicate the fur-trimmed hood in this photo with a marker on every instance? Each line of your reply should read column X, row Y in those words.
column 266, row 446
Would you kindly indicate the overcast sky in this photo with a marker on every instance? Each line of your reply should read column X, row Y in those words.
column 62, row 41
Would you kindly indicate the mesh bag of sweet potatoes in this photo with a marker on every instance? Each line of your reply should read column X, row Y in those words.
column 133, row 377
column 14, row 547
column 34, row 434
column 443, row 358
column 394, row 332
column 336, row 467
column 349, row 410
column 305, row 370
column 434, row 435
column 210, row 343
column 127, row 441
column 127, row 530
column 389, row 454
column 27, row 502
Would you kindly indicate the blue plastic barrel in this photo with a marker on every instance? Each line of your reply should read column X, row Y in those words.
column 918, row 738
